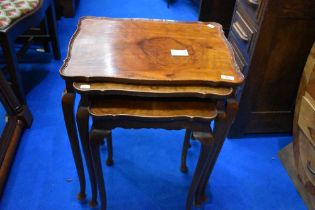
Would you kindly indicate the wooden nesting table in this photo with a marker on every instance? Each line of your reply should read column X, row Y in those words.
column 114, row 60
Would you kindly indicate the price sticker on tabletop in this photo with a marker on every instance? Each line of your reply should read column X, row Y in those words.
column 179, row 52
column 85, row 86
column 226, row 77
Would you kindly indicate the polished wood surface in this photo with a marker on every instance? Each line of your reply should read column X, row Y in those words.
column 304, row 131
column 125, row 68
column 134, row 112
column 307, row 118
column 120, row 107
column 109, row 88
column 138, row 51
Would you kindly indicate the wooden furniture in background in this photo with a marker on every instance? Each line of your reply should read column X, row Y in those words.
column 43, row 11
column 19, row 118
column 220, row 11
column 299, row 157
column 304, row 130
column 140, row 63
column 271, row 40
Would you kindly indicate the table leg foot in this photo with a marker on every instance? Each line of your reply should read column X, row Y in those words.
column 81, row 196
column 184, row 169
column 93, row 203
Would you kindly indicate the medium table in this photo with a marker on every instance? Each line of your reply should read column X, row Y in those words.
column 148, row 58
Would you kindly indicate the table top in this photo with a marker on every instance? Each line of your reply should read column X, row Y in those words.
column 138, row 51
column 110, row 88
column 144, row 108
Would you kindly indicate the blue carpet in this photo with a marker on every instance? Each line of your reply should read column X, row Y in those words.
column 248, row 174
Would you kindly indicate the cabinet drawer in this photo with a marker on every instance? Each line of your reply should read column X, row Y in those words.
column 243, row 33
column 307, row 161
column 254, row 8
column 307, row 118
column 240, row 60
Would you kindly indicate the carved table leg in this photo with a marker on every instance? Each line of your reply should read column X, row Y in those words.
column 223, row 123
column 186, row 144
column 96, row 136
column 206, row 140
column 83, row 127
column 68, row 112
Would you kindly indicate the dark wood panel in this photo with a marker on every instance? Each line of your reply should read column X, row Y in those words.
column 118, row 43
column 269, row 122
column 279, row 52
column 220, row 11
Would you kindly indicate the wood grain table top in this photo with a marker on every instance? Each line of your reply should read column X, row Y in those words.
column 138, row 51
column 145, row 108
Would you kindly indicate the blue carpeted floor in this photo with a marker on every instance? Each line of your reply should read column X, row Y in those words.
column 248, row 174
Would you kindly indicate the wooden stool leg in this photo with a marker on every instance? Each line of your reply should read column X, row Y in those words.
column 44, row 30
column 186, row 144
column 222, row 126
column 51, row 20
column 96, row 137
column 12, row 67
column 206, row 141
column 68, row 8
column 83, row 127
column 68, row 112
column 109, row 160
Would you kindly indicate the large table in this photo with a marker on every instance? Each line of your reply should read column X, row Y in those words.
column 148, row 58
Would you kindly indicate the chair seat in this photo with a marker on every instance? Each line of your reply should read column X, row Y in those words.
column 11, row 10
column 144, row 108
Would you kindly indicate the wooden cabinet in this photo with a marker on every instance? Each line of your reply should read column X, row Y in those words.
column 304, row 132
column 271, row 41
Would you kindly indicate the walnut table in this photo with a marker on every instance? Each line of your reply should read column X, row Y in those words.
column 148, row 59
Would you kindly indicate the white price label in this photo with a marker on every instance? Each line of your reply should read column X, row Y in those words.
column 86, row 86
column 226, row 77
column 211, row 26
column 179, row 53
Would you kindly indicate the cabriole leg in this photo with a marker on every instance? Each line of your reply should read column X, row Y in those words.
column 68, row 113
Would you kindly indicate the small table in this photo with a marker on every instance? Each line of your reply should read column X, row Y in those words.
column 148, row 58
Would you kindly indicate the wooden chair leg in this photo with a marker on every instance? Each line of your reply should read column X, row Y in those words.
column 109, row 160
column 12, row 67
column 83, row 127
column 183, row 166
column 44, row 30
column 68, row 112
column 51, row 20
column 223, row 124
column 68, row 8
column 96, row 137
column 206, row 140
